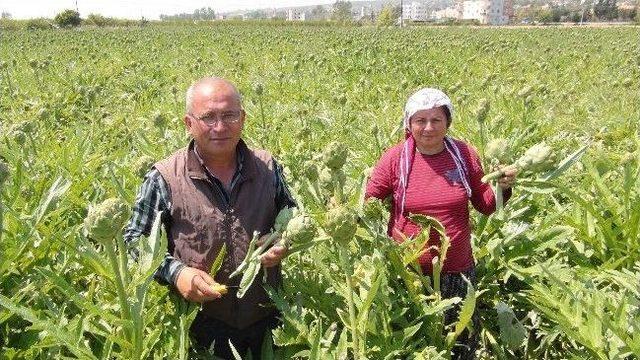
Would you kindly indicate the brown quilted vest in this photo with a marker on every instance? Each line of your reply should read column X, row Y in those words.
column 201, row 221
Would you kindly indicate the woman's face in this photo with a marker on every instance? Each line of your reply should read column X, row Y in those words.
column 429, row 128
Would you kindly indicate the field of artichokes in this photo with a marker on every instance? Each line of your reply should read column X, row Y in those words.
column 84, row 113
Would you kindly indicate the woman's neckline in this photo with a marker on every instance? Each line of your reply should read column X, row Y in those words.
column 426, row 154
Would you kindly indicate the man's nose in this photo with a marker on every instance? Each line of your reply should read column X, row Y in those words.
column 218, row 126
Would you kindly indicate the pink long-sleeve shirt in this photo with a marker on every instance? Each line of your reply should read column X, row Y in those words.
column 434, row 189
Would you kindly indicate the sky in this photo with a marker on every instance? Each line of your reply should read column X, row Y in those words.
column 134, row 9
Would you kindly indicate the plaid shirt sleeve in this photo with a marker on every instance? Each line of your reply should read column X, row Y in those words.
column 283, row 195
column 152, row 198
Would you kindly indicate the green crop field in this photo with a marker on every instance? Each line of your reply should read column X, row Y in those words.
column 83, row 114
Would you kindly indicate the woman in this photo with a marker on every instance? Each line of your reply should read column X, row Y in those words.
column 433, row 174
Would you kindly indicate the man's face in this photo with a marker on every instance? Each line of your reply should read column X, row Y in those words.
column 215, row 121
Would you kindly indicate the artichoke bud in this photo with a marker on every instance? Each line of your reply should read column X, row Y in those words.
column 27, row 127
column 536, row 157
column 340, row 224
column 626, row 159
column 304, row 132
column 299, row 230
column 374, row 130
column 325, row 177
column 525, row 91
column 19, row 136
column 339, row 178
column 528, row 100
column 142, row 165
column 335, row 155
column 105, row 220
column 43, row 113
column 258, row 88
column 4, row 172
column 498, row 150
column 482, row 110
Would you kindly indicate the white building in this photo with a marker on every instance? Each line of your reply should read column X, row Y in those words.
column 491, row 12
column 496, row 13
column 366, row 12
column 415, row 11
column 475, row 10
column 296, row 15
column 448, row 13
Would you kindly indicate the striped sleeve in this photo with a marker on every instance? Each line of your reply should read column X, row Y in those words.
column 152, row 198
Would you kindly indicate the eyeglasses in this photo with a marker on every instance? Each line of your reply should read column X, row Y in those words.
column 229, row 117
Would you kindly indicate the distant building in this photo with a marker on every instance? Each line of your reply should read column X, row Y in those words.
column 508, row 10
column 627, row 6
column 366, row 13
column 296, row 15
column 474, row 10
column 415, row 11
column 448, row 13
column 490, row 12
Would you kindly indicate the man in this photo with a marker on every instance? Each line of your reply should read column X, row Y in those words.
column 215, row 191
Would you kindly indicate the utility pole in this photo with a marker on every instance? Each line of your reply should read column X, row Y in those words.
column 78, row 11
column 401, row 14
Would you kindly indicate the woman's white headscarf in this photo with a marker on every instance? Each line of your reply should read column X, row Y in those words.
column 425, row 99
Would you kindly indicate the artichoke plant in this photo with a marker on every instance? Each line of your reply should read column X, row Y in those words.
column 335, row 155
column 295, row 231
column 105, row 220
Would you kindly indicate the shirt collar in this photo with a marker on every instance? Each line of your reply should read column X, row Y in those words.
column 196, row 168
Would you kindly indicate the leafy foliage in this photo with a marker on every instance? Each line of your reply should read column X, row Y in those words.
column 68, row 18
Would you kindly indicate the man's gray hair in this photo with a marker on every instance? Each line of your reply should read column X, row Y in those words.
column 192, row 89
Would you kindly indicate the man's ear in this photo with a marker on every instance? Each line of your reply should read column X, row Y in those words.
column 242, row 117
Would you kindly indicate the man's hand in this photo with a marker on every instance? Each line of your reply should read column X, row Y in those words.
column 195, row 285
column 273, row 256
column 508, row 179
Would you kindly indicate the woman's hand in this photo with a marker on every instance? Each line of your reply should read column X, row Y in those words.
column 507, row 180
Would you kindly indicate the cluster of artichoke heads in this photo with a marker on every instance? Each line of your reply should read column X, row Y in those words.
column 538, row 158
column 331, row 177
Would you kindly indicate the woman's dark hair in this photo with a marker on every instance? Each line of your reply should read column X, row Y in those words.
column 448, row 113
